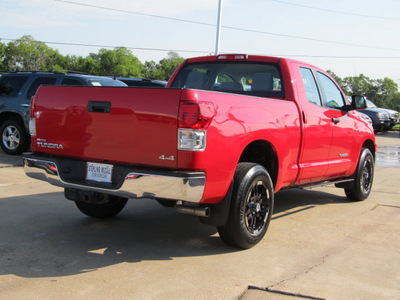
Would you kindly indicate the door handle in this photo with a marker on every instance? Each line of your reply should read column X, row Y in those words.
column 99, row 106
column 304, row 117
column 335, row 120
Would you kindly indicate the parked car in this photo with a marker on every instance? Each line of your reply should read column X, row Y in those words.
column 16, row 91
column 143, row 82
column 393, row 115
column 380, row 117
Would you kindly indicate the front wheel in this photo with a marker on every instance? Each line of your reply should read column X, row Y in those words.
column 251, row 207
column 108, row 209
column 363, row 177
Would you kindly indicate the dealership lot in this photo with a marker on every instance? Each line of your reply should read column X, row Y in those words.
column 318, row 245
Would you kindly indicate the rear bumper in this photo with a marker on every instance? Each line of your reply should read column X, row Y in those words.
column 127, row 181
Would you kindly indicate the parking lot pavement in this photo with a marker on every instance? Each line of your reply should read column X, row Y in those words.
column 318, row 245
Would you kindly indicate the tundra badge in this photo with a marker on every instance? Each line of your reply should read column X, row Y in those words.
column 44, row 144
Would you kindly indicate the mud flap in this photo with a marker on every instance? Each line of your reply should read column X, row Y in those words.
column 219, row 212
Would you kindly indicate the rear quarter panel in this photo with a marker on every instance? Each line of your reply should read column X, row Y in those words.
column 240, row 120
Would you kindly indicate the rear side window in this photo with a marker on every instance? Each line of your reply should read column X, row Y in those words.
column 310, row 86
column 10, row 85
column 71, row 81
column 105, row 82
column 248, row 78
column 38, row 82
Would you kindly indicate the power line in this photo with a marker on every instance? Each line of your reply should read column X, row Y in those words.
column 336, row 11
column 134, row 13
column 311, row 39
column 108, row 46
column 230, row 27
column 209, row 52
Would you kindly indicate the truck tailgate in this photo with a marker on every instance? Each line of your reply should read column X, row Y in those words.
column 109, row 124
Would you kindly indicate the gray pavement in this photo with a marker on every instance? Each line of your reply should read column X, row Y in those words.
column 318, row 246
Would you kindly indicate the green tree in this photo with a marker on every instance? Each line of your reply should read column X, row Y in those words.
column 165, row 68
column 2, row 53
column 27, row 54
column 383, row 92
column 118, row 62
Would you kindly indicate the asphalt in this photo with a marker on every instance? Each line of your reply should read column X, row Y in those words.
column 318, row 246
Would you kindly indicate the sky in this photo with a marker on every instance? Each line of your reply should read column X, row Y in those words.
column 348, row 37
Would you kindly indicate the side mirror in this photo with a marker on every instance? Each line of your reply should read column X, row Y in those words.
column 358, row 102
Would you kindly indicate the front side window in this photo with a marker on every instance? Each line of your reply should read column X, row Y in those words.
column 248, row 78
column 333, row 96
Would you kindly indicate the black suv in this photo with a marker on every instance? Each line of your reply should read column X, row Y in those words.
column 16, row 91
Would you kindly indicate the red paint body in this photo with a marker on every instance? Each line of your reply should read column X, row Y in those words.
column 143, row 123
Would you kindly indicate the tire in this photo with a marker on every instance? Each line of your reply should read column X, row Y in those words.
column 14, row 138
column 109, row 209
column 251, row 207
column 363, row 177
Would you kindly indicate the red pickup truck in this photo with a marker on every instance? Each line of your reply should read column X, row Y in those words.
column 227, row 133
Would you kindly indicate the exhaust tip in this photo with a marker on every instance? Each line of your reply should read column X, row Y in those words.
column 196, row 211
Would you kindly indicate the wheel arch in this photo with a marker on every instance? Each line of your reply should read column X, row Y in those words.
column 262, row 152
column 11, row 115
column 369, row 144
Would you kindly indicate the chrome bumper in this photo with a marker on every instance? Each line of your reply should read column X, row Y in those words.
column 184, row 186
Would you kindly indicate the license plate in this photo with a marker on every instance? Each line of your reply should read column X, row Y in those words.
column 99, row 172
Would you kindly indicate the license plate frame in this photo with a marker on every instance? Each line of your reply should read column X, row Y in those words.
column 99, row 172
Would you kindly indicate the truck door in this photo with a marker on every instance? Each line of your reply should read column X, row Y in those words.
column 343, row 150
column 317, row 128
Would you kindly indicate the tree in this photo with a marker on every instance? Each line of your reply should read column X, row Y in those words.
column 27, row 54
column 2, row 53
column 383, row 92
column 165, row 68
column 118, row 62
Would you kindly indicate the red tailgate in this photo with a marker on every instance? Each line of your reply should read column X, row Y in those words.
column 116, row 124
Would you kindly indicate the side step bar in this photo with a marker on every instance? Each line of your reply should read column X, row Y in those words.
column 325, row 183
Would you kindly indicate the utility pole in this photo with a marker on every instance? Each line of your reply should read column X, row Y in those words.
column 218, row 27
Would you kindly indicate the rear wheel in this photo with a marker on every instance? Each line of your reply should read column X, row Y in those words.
column 108, row 209
column 251, row 207
column 14, row 139
column 363, row 178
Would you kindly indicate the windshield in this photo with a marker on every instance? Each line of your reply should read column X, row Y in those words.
column 370, row 104
column 105, row 82
column 248, row 78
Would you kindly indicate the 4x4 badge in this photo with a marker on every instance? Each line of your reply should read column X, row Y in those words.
column 163, row 157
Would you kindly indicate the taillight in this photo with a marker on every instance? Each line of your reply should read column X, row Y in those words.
column 195, row 115
column 194, row 119
column 32, row 121
column 33, row 105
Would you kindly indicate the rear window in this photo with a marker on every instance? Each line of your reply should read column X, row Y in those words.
column 105, row 82
column 10, row 85
column 71, row 81
column 248, row 78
